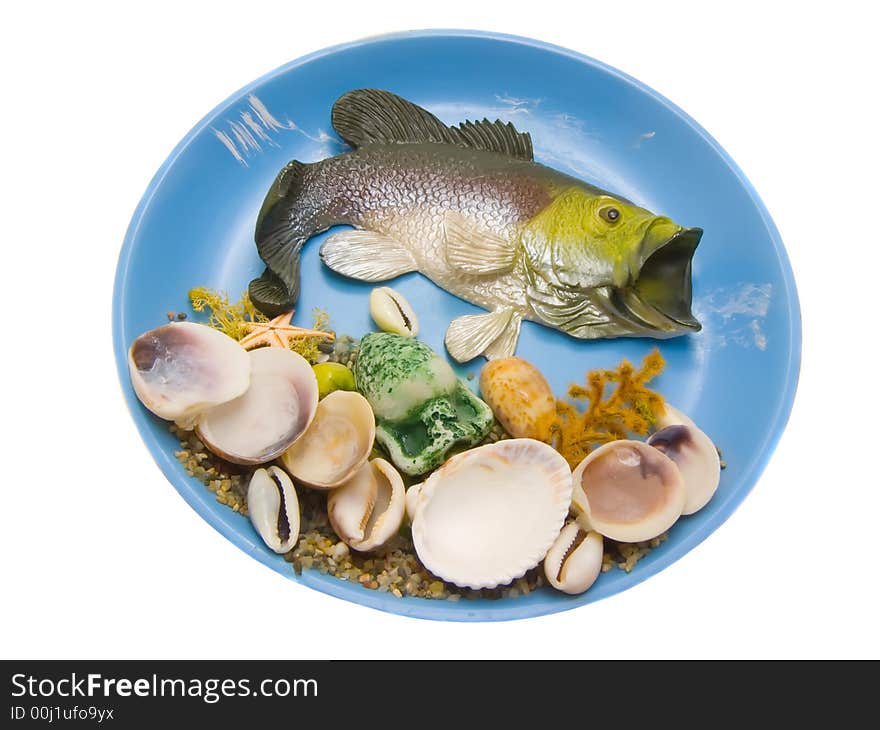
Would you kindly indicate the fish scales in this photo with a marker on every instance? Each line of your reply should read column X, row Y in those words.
column 405, row 192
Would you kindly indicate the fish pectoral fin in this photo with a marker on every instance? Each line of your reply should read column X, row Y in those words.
column 366, row 256
column 472, row 249
column 493, row 334
column 505, row 344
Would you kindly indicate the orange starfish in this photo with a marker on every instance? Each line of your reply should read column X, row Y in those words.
column 276, row 333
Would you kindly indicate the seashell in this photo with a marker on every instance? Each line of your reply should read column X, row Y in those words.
column 367, row 511
column 575, row 560
column 392, row 313
column 274, row 508
column 413, row 501
column 273, row 412
column 693, row 452
column 490, row 514
column 422, row 409
column 628, row 491
column 337, row 443
column 519, row 396
column 181, row 369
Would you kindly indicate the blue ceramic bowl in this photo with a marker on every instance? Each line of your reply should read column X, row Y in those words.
column 194, row 226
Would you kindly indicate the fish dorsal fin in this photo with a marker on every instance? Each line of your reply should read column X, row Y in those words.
column 374, row 116
column 497, row 137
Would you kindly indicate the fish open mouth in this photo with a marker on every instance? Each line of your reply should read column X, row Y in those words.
column 659, row 300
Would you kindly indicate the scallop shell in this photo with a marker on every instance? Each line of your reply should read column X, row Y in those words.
column 182, row 369
column 627, row 491
column 693, row 452
column 272, row 413
column 490, row 514
column 337, row 443
column 412, row 501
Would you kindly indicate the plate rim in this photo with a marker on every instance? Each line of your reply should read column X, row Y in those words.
column 423, row 608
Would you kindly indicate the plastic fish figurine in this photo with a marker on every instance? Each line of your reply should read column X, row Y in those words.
column 469, row 208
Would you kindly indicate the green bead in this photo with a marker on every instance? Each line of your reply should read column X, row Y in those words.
column 333, row 376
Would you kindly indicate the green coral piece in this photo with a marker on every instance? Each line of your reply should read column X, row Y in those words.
column 422, row 409
column 390, row 359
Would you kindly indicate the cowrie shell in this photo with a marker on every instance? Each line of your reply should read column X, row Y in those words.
column 392, row 313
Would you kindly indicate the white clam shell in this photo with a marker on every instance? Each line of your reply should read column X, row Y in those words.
column 413, row 500
column 272, row 414
column 337, row 443
column 181, row 369
column 628, row 491
column 490, row 514
column 693, row 452
column 571, row 566
column 367, row 510
column 272, row 502
column 392, row 312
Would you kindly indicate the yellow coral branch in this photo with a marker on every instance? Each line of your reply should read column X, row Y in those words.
column 235, row 319
column 231, row 319
column 631, row 408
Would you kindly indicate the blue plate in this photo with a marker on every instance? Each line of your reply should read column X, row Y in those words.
column 194, row 226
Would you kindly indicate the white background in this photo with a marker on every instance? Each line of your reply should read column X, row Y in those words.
column 102, row 559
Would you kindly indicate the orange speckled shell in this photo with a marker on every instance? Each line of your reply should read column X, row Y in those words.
column 519, row 396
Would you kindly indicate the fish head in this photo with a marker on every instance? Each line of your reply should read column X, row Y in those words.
column 600, row 266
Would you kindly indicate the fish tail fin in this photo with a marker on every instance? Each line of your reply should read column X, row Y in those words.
column 271, row 295
column 283, row 226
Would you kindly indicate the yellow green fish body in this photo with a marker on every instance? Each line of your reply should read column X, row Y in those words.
column 469, row 208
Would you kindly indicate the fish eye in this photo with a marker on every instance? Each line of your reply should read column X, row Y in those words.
column 610, row 214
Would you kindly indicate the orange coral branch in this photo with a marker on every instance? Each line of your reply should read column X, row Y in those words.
column 631, row 408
